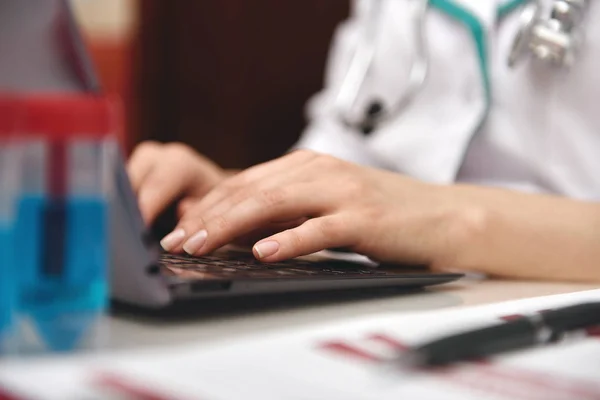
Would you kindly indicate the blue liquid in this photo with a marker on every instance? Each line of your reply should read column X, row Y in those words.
column 7, row 288
column 63, row 307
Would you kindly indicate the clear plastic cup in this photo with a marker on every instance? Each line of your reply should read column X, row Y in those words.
column 9, row 179
column 62, row 234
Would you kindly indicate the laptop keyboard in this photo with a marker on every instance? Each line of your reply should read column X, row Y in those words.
column 242, row 265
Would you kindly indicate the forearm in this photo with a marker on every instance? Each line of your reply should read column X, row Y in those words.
column 512, row 234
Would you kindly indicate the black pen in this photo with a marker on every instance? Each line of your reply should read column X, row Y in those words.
column 527, row 331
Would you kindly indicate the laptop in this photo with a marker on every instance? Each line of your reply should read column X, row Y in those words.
column 142, row 274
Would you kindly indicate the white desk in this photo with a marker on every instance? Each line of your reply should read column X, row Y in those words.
column 130, row 330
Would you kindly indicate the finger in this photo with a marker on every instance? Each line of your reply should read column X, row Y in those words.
column 257, row 211
column 186, row 205
column 314, row 235
column 141, row 162
column 249, row 178
column 173, row 241
column 268, row 230
column 167, row 180
column 157, row 193
column 236, row 196
column 282, row 176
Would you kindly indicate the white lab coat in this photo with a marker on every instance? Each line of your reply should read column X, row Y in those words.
column 541, row 132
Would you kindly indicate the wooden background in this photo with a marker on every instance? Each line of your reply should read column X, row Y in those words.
column 229, row 77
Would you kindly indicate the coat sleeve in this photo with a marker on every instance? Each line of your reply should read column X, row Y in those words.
column 324, row 132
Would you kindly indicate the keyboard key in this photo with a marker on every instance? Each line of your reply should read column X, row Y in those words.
column 228, row 264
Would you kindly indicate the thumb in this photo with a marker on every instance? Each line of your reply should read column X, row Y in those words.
column 313, row 235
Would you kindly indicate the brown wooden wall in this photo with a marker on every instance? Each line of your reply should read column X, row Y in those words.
column 231, row 77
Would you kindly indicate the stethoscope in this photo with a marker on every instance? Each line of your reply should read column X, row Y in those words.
column 550, row 34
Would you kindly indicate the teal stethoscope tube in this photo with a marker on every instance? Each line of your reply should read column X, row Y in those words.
column 361, row 61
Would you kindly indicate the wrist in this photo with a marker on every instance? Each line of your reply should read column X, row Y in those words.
column 463, row 229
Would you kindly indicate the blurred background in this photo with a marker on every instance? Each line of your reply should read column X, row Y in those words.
column 228, row 77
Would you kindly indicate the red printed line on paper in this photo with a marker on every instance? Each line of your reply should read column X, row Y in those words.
column 514, row 383
column 390, row 341
column 593, row 332
column 345, row 349
column 552, row 384
column 473, row 379
column 129, row 389
column 511, row 317
column 5, row 395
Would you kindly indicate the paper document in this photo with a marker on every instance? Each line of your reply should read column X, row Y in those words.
column 342, row 361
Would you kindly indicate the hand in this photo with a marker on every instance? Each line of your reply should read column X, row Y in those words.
column 325, row 203
column 162, row 173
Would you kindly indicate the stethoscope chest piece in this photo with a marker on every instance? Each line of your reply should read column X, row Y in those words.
column 552, row 35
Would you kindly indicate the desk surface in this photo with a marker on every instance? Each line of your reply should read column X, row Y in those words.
column 208, row 321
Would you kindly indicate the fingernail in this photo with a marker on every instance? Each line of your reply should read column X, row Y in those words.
column 172, row 239
column 266, row 249
column 195, row 243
